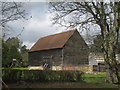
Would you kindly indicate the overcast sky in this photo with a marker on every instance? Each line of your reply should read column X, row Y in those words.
column 38, row 26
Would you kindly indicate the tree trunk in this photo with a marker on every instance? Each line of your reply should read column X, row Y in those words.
column 111, row 68
column 110, row 45
column 110, row 41
column 112, row 75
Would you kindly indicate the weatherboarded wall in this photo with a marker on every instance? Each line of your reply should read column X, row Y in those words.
column 75, row 51
column 52, row 57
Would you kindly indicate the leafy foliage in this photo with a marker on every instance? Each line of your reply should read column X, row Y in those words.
column 98, row 43
column 97, row 46
column 13, row 75
column 12, row 49
column 24, row 53
column 5, row 49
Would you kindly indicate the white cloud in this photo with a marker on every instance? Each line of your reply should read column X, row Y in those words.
column 38, row 26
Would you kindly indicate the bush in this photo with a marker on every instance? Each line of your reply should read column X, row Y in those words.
column 13, row 75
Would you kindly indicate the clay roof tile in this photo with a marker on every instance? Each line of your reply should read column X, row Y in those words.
column 52, row 41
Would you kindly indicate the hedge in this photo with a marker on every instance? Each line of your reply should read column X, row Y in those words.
column 13, row 75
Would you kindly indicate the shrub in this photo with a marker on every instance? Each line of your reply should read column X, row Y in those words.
column 13, row 75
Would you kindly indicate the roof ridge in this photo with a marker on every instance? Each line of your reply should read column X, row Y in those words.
column 52, row 41
column 69, row 36
column 58, row 33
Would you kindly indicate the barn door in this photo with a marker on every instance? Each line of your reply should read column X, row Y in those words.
column 47, row 62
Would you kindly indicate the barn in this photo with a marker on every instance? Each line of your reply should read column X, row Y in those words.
column 61, row 49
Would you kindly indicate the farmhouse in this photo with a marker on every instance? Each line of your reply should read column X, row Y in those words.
column 66, row 49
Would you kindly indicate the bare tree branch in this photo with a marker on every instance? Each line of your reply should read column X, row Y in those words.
column 105, row 14
column 11, row 11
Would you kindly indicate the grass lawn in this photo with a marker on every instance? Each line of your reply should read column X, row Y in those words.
column 93, row 77
column 90, row 81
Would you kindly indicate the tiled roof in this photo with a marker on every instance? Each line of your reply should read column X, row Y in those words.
column 52, row 41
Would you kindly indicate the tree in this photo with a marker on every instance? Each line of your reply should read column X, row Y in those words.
column 24, row 53
column 96, row 46
column 118, row 48
column 11, row 50
column 5, row 61
column 104, row 15
column 14, row 41
column 11, row 11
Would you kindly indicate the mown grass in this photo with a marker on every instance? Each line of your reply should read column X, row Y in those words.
column 94, row 74
column 93, row 77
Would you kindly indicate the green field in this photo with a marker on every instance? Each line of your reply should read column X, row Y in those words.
column 92, row 77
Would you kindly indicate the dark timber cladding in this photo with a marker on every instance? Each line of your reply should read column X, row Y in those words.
column 62, row 49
